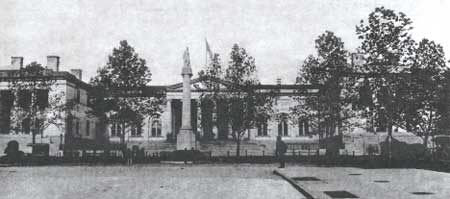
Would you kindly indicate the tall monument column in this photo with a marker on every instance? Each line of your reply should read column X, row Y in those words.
column 186, row 137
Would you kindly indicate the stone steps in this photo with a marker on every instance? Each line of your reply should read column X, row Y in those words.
column 157, row 146
column 223, row 148
column 217, row 148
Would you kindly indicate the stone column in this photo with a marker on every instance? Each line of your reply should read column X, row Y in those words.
column 186, row 138
column 199, row 118
column 167, row 122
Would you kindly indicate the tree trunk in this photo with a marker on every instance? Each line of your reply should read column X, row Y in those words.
column 35, row 131
column 425, row 139
column 389, row 139
column 122, row 140
column 33, row 135
column 238, row 146
column 372, row 122
column 389, row 126
column 427, row 133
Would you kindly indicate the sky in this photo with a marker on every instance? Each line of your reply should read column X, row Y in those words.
column 278, row 34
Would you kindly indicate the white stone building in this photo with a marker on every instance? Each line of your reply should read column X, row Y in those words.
column 157, row 132
column 83, row 132
column 81, row 129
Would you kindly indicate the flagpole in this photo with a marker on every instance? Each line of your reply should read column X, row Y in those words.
column 206, row 54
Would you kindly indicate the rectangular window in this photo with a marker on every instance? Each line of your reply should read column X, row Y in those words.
column 300, row 128
column 133, row 132
column 118, row 129
column 42, row 98
column 113, row 130
column 88, row 128
column 139, row 130
column 6, row 103
column 262, row 129
column 88, row 101
column 306, row 126
column 280, row 129
column 260, row 133
column 136, row 131
column 76, row 127
column 285, row 129
column 24, row 98
column 156, row 128
column 78, row 96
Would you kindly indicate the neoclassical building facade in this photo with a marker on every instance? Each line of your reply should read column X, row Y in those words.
column 84, row 132
column 212, row 135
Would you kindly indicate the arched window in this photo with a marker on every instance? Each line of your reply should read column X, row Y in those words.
column 156, row 128
column 303, row 127
column 283, row 128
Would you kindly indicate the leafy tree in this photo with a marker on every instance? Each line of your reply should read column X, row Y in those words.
column 425, row 85
column 212, row 72
column 209, row 77
column 443, row 126
column 308, row 107
column 124, row 72
column 244, row 103
column 35, row 106
column 330, row 107
column 388, row 48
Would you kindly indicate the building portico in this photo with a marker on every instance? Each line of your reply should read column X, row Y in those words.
column 188, row 121
column 160, row 132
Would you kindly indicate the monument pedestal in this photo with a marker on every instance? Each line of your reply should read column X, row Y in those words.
column 186, row 139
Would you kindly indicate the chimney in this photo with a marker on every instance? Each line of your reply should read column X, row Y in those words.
column 77, row 72
column 53, row 63
column 17, row 62
column 278, row 81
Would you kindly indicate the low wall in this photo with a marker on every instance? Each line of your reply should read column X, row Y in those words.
column 363, row 144
column 227, row 147
column 24, row 140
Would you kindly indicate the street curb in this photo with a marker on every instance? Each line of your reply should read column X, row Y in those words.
column 176, row 162
column 294, row 184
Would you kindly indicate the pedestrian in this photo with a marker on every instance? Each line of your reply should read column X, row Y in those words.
column 129, row 156
column 281, row 149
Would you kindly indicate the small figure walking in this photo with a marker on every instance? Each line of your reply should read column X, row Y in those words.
column 281, row 148
column 129, row 156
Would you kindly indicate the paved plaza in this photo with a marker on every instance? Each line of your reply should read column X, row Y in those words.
column 217, row 181
column 371, row 183
column 145, row 181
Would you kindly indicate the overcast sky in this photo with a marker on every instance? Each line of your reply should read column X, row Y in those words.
column 279, row 35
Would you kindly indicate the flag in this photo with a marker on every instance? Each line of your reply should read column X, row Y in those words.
column 187, row 61
column 208, row 50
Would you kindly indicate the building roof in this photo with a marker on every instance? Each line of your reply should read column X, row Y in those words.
column 8, row 75
column 156, row 90
column 289, row 89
